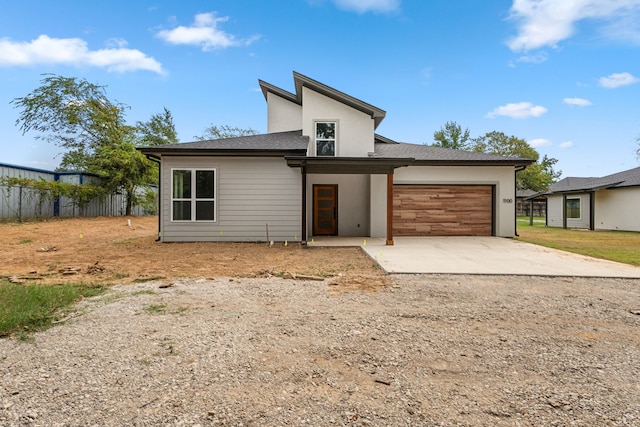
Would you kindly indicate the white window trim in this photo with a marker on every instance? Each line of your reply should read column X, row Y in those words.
column 579, row 199
column 315, row 140
column 193, row 198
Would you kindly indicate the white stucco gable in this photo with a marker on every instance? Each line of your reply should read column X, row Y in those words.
column 352, row 121
column 354, row 129
column 282, row 114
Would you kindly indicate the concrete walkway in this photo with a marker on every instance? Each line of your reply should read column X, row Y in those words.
column 480, row 255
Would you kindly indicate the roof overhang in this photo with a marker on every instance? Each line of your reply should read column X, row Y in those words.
column 157, row 153
column 518, row 164
column 301, row 81
column 347, row 165
column 608, row 186
column 537, row 196
column 267, row 87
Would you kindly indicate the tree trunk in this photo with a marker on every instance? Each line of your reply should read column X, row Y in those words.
column 127, row 211
column 129, row 201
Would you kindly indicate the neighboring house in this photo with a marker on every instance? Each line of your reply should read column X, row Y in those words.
column 321, row 170
column 607, row 203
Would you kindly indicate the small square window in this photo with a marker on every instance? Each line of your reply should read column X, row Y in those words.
column 190, row 205
column 573, row 209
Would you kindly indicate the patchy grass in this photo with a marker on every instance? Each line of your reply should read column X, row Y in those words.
column 118, row 275
column 147, row 279
column 23, row 241
column 619, row 246
column 156, row 309
column 144, row 292
column 28, row 308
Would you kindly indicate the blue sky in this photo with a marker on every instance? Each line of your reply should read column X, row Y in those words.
column 563, row 75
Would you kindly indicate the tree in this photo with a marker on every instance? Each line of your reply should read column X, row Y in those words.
column 73, row 114
column 159, row 130
column 537, row 177
column 224, row 131
column 452, row 136
column 77, row 116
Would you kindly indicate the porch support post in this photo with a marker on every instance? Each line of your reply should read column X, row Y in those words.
column 531, row 212
column 390, row 209
column 564, row 211
column 592, row 210
column 304, row 203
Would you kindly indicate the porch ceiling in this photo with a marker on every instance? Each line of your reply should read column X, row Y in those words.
column 347, row 165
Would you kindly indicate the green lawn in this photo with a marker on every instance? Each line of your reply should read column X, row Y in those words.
column 620, row 246
column 28, row 308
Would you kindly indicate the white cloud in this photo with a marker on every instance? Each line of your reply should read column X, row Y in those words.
column 538, row 58
column 362, row 6
column 566, row 144
column 615, row 80
column 539, row 142
column 547, row 22
column 580, row 102
column 204, row 32
column 46, row 50
column 520, row 110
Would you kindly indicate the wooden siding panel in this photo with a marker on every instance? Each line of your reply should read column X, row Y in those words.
column 442, row 210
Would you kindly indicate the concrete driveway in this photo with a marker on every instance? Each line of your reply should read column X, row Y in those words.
column 485, row 255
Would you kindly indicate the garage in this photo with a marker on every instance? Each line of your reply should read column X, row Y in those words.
column 442, row 210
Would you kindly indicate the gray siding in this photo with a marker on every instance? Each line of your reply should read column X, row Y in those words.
column 555, row 211
column 585, row 212
column 252, row 193
column 615, row 210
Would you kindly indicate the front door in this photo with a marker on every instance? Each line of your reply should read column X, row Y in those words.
column 325, row 210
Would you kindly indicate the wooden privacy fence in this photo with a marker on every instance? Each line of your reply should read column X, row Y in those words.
column 28, row 193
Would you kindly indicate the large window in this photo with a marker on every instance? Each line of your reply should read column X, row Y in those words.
column 193, row 195
column 573, row 209
column 325, row 138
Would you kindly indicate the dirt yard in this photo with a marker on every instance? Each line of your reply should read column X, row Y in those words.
column 108, row 250
column 220, row 340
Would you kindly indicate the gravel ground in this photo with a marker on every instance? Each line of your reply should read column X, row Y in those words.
column 426, row 350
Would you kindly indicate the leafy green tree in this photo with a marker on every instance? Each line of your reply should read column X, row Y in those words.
column 73, row 114
column 537, row 177
column 451, row 135
column 77, row 116
column 159, row 130
column 224, row 131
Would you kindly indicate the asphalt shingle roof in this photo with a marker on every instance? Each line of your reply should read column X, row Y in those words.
column 628, row 178
column 525, row 193
column 278, row 141
column 430, row 153
column 294, row 141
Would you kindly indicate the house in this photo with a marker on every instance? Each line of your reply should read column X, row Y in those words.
column 321, row 170
column 605, row 203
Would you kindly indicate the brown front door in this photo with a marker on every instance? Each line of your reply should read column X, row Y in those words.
column 325, row 210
